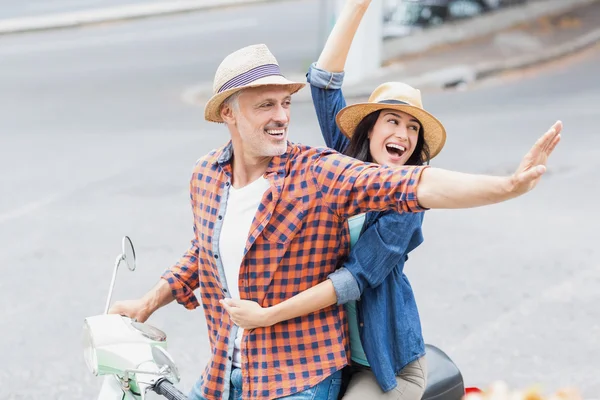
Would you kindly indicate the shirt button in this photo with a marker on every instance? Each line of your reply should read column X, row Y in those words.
column 225, row 290
column 220, row 217
column 216, row 256
column 229, row 358
column 361, row 324
column 226, row 183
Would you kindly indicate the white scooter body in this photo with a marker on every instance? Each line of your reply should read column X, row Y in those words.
column 130, row 355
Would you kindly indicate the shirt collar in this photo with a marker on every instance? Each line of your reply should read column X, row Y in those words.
column 223, row 156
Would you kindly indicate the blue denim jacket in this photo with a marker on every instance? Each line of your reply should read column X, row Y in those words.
column 389, row 323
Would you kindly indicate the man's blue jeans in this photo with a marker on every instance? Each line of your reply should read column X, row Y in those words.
column 328, row 389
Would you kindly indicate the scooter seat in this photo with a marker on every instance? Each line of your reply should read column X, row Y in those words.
column 444, row 380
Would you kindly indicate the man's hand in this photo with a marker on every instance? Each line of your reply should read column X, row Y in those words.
column 439, row 188
column 135, row 309
column 246, row 314
column 533, row 165
column 141, row 309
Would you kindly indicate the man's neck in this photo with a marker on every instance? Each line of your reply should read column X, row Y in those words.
column 246, row 168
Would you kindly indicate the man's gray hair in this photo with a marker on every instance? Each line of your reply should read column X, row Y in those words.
column 233, row 101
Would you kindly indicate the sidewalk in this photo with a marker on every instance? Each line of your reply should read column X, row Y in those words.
column 527, row 44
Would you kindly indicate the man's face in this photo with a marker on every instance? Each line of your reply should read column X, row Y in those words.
column 261, row 119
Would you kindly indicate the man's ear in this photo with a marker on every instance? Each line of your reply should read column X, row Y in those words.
column 227, row 114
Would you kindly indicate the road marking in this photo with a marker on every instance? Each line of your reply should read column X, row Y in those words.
column 64, row 5
column 27, row 209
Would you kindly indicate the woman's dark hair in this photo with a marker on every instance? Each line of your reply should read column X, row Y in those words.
column 359, row 143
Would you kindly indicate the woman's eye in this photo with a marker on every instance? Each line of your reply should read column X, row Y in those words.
column 393, row 121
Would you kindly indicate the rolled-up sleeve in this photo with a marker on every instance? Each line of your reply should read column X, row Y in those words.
column 183, row 277
column 351, row 187
column 319, row 78
column 328, row 100
column 345, row 285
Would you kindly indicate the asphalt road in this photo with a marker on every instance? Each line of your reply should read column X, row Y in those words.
column 96, row 144
column 193, row 42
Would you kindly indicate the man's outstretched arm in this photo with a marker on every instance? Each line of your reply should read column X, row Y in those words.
column 350, row 187
column 440, row 188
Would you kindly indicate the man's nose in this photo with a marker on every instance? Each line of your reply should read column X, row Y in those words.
column 281, row 115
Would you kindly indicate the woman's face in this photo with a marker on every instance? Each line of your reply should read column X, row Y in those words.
column 393, row 138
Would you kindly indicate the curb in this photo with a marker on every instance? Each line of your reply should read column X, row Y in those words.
column 485, row 70
column 463, row 74
column 437, row 79
column 115, row 14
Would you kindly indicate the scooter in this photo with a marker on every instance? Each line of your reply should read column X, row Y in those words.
column 132, row 356
column 134, row 361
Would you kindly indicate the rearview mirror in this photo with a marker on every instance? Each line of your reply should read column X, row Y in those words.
column 128, row 256
column 164, row 361
column 128, row 253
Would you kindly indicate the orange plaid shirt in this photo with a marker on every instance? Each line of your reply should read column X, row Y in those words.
column 294, row 242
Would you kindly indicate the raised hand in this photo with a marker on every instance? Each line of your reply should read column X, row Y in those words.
column 533, row 165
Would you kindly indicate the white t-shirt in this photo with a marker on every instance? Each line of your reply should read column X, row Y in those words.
column 242, row 205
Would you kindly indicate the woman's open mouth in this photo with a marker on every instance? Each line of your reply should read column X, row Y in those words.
column 395, row 150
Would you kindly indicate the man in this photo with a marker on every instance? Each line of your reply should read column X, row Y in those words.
column 270, row 222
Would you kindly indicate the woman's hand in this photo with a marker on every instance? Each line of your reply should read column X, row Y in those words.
column 247, row 314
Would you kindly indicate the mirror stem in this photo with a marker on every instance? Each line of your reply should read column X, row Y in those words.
column 112, row 282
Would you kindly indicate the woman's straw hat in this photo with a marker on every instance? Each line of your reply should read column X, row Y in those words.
column 397, row 96
column 250, row 66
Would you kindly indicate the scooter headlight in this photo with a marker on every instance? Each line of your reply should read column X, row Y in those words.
column 89, row 350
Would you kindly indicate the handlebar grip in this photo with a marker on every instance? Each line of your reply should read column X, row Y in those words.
column 166, row 388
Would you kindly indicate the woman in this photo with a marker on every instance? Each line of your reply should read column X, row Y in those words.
column 392, row 129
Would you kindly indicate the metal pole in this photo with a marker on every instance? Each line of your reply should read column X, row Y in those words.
column 327, row 16
column 112, row 282
column 364, row 58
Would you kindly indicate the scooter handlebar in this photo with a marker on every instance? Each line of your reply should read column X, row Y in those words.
column 166, row 388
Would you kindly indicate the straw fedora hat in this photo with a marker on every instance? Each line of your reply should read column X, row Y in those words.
column 251, row 66
column 397, row 96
